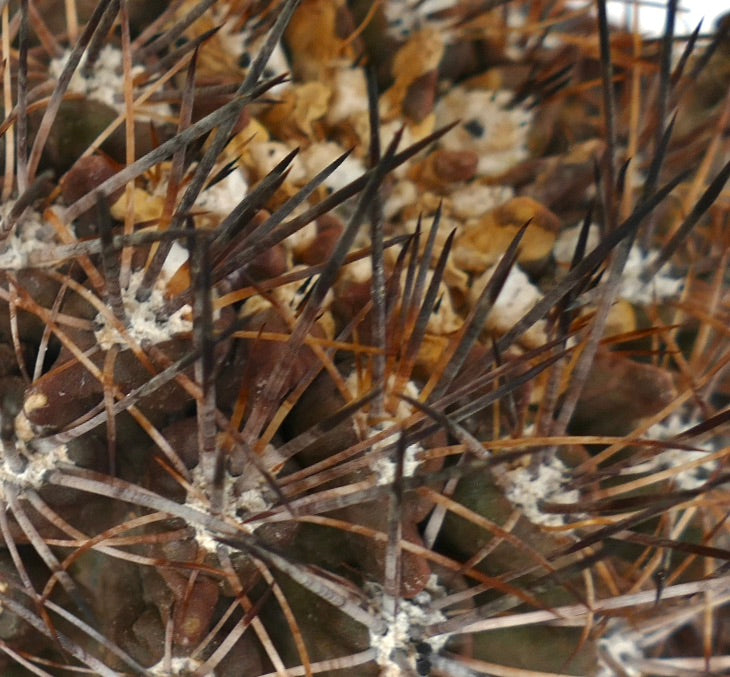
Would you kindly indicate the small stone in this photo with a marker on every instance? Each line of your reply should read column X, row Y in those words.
column 443, row 168
column 319, row 250
column 483, row 241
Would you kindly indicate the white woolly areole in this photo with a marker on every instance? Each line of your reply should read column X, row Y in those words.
column 405, row 631
column 498, row 134
column 105, row 83
column 30, row 235
column 144, row 323
column 203, row 537
column 636, row 289
column 242, row 496
column 384, row 466
column 688, row 479
column 39, row 461
column 527, row 487
column 249, row 499
column 619, row 648
column 178, row 666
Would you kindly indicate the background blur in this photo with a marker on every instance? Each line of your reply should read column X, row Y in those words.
column 651, row 14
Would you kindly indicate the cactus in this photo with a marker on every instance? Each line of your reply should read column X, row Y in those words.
column 373, row 337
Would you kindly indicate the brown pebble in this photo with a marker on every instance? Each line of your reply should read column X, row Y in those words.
column 420, row 97
column 319, row 250
column 453, row 166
